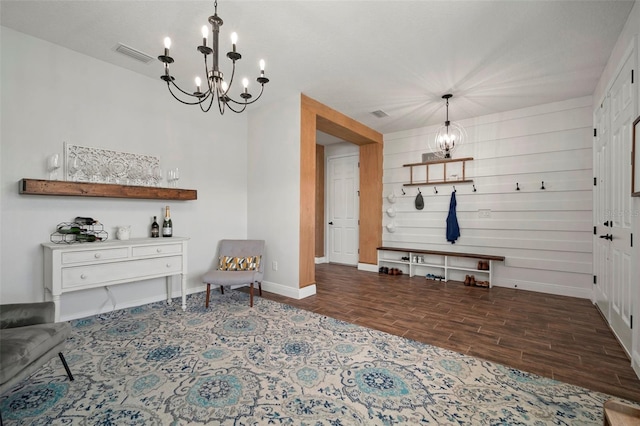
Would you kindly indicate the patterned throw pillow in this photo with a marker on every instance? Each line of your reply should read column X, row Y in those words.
column 247, row 263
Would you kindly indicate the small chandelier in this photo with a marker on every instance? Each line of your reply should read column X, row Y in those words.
column 449, row 136
column 215, row 88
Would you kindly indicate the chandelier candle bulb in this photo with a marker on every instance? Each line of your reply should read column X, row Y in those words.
column 198, row 81
column 205, row 31
column 234, row 40
column 167, row 46
column 261, row 67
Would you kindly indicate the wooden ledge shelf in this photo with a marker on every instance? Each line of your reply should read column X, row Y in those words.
column 107, row 190
column 444, row 179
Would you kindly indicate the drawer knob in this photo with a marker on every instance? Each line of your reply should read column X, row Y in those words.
column 97, row 255
column 168, row 265
column 83, row 276
column 159, row 250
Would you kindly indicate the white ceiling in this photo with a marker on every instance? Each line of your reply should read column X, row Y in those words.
column 359, row 56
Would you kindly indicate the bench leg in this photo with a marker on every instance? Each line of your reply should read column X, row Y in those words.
column 206, row 303
column 66, row 367
column 251, row 295
column 260, row 288
column 221, row 289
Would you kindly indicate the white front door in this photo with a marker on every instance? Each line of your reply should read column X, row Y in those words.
column 618, row 232
column 343, row 180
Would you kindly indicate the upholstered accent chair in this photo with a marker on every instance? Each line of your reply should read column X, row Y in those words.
column 29, row 338
column 238, row 262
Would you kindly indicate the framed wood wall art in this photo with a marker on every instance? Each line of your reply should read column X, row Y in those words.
column 635, row 159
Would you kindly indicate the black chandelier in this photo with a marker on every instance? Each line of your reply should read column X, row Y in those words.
column 449, row 136
column 216, row 87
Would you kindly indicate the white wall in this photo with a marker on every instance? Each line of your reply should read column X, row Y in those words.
column 274, row 192
column 50, row 95
column 545, row 235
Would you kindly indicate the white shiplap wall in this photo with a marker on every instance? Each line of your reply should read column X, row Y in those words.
column 545, row 235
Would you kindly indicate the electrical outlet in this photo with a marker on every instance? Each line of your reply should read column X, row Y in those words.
column 484, row 213
column 274, row 265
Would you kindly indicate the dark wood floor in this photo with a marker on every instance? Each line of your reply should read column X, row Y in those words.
column 554, row 336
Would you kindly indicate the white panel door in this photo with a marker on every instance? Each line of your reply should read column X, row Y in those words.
column 343, row 201
column 602, row 208
column 623, row 288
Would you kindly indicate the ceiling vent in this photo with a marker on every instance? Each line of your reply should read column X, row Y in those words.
column 133, row 53
column 379, row 113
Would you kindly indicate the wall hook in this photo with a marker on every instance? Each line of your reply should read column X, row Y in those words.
column 517, row 187
column 403, row 193
column 542, row 187
column 454, row 188
column 435, row 190
column 419, row 191
column 474, row 187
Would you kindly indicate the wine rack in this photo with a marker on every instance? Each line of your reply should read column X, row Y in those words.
column 66, row 233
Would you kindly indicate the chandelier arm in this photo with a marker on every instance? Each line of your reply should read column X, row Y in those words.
column 238, row 111
column 191, row 95
column 210, row 97
column 245, row 102
column 221, row 105
column 180, row 100
column 233, row 73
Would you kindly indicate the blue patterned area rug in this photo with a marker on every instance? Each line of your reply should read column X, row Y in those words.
column 277, row 365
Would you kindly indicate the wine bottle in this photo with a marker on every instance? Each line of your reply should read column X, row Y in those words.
column 85, row 221
column 86, row 238
column 167, row 225
column 155, row 228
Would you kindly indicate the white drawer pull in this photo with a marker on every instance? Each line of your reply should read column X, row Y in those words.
column 159, row 250
column 83, row 276
column 97, row 255
column 168, row 265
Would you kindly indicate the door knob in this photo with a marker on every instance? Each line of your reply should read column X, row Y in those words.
column 331, row 223
column 606, row 223
column 607, row 237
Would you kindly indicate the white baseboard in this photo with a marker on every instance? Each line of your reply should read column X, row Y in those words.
column 367, row 267
column 294, row 293
column 321, row 260
column 635, row 362
column 560, row 290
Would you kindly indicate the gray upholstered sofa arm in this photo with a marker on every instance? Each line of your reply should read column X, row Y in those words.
column 23, row 314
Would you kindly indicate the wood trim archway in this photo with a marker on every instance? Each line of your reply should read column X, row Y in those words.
column 315, row 116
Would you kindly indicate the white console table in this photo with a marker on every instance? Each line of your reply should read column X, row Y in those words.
column 81, row 266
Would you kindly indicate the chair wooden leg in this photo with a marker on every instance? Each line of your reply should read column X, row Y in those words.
column 206, row 304
column 66, row 367
column 251, row 295
column 260, row 288
column 221, row 289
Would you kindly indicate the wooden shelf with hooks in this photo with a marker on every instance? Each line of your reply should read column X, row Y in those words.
column 444, row 179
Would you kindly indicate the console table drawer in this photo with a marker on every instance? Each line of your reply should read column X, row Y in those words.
column 155, row 250
column 94, row 255
column 91, row 275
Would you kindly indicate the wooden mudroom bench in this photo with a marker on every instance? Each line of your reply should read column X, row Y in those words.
column 448, row 263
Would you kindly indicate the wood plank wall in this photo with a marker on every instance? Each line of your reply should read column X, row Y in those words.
column 546, row 235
